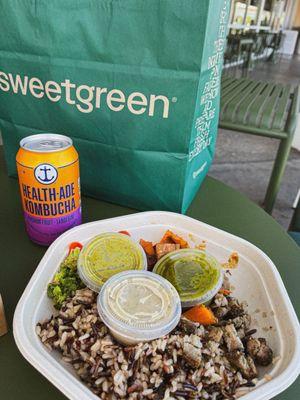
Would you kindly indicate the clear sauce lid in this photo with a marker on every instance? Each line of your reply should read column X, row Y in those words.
column 106, row 255
column 196, row 275
column 139, row 306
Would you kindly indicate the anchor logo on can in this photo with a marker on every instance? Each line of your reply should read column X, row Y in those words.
column 45, row 174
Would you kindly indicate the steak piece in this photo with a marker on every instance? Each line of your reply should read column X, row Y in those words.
column 243, row 363
column 232, row 340
column 192, row 350
column 258, row 349
column 215, row 334
column 188, row 326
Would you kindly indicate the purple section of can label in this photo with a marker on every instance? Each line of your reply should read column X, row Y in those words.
column 45, row 230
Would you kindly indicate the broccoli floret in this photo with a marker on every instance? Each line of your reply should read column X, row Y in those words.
column 71, row 260
column 58, row 276
column 66, row 281
column 55, row 293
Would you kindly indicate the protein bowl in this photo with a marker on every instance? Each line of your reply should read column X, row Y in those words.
column 196, row 275
column 255, row 281
column 138, row 306
column 106, row 255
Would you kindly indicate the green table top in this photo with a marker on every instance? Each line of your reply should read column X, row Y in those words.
column 216, row 204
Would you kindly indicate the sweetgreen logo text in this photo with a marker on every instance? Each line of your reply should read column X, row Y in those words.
column 84, row 97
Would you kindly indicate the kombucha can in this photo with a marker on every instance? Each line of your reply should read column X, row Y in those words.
column 48, row 171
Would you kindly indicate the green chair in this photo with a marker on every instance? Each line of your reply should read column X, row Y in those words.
column 265, row 109
column 245, row 50
column 258, row 48
column 275, row 46
column 238, row 53
column 294, row 228
column 230, row 54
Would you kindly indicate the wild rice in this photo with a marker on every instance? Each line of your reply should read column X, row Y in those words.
column 192, row 362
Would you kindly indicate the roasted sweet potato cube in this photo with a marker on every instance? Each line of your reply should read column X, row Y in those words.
column 171, row 237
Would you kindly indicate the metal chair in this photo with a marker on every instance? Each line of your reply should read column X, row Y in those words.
column 238, row 53
column 275, row 46
column 263, row 109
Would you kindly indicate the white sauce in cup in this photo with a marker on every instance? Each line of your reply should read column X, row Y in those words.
column 139, row 306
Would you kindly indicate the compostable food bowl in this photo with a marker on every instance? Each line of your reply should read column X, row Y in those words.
column 256, row 280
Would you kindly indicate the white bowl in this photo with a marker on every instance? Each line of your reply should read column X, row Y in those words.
column 256, row 280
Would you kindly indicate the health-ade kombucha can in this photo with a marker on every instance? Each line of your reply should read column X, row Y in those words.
column 48, row 170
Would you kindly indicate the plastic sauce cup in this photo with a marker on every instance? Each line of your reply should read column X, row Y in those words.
column 196, row 275
column 106, row 255
column 138, row 306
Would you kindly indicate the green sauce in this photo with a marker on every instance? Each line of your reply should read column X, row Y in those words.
column 192, row 272
column 107, row 255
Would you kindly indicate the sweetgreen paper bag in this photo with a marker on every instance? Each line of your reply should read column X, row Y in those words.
column 135, row 83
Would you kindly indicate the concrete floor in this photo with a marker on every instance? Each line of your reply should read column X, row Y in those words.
column 245, row 162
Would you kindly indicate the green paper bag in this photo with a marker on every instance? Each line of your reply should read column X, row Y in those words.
column 135, row 83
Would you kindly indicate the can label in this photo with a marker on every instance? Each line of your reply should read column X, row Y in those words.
column 51, row 199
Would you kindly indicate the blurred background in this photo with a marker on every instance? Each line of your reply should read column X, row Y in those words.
column 263, row 44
